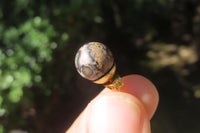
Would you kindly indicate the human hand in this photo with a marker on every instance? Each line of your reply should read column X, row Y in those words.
column 127, row 111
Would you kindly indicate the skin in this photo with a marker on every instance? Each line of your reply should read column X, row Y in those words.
column 127, row 111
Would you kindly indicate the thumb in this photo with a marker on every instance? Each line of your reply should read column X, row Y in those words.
column 112, row 112
column 128, row 111
column 117, row 112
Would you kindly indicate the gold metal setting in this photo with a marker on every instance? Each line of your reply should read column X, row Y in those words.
column 106, row 77
column 115, row 84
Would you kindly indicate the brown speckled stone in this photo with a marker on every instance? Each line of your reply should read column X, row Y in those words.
column 94, row 60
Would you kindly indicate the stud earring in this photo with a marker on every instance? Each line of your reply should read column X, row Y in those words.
column 95, row 62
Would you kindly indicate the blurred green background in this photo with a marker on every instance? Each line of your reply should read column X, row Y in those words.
column 40, row 90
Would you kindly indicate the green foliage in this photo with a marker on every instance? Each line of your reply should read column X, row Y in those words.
column 29, row 32
column 1, row 129
column 24, row 49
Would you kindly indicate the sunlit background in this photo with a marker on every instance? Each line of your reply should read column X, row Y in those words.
column 40, row 90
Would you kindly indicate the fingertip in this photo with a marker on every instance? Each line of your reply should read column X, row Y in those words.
column 144, row 90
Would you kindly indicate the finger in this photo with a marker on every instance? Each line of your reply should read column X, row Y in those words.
column 144, row 90
column 117, row 112
column 112, row 112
